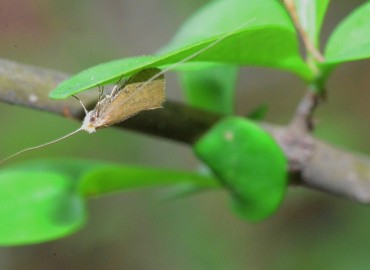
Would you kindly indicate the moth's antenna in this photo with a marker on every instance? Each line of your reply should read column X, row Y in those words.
column 41, row 145
column 83, row 106
column 190, row 57
column 227, row 34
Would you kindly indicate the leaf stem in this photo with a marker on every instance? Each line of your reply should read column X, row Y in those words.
column 310, row 48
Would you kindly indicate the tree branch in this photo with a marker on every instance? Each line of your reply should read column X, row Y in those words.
column 312, row 163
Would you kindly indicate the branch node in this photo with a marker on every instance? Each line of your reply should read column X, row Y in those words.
column 302, row 122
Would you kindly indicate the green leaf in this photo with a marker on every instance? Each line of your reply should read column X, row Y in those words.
column 269, row 38
column 239, row 32
column 38, row 206
column 259, row 113
column 45, row 200
column 112, row 178
column 249, row 163
column 211, row 89
column 351, row 39
column 311, row 15
column 102, row 74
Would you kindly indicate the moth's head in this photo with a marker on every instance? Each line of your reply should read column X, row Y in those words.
column 89, row 122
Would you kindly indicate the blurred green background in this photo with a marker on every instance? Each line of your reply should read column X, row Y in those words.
column 138, row 230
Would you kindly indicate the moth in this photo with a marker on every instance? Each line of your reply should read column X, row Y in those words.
column 142, row 91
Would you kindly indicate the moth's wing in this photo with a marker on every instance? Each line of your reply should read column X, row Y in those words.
column 138, row 95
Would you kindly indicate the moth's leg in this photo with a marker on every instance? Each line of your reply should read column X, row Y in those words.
column 119, row 85
column 101, row 92
column 83, row 106
column 100, row 98
column 114, row 91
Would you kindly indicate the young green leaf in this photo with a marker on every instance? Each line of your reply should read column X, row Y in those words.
column 38, row 206
column 249, row 163
column 211, row 89
column 311, row 15
column 238, row 32
column 351, row 39
column 113, row 178
column 102, row 74
column 45, row 200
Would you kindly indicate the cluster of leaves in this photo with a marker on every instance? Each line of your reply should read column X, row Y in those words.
column 45, row 200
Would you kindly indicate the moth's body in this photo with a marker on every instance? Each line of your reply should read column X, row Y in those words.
column 135, row 95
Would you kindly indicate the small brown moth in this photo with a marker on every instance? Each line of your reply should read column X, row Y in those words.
column 127, row 100
column 143, row 91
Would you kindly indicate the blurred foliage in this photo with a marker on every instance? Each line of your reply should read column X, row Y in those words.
column 254, row 172
column 249, row 163
column 311, row 230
